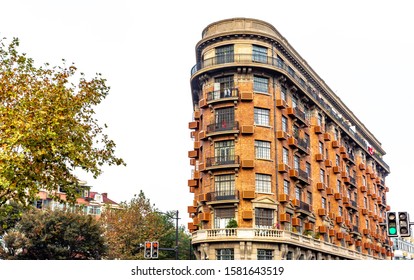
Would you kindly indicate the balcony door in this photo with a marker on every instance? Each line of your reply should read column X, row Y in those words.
column 224, row 187
column 224, row 119
column 224, row 152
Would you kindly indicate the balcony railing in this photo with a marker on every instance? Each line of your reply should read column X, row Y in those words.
column 303, row 176
column 278, row 63
column 305, row 206
column 275, row 236
column 222, row 160
column 224, row 195
column 223, row 126
column 303, row 145
column 223, row 94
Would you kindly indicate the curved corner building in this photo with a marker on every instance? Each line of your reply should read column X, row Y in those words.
column 282, row 168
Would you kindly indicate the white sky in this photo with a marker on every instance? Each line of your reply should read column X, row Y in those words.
column 145, row 49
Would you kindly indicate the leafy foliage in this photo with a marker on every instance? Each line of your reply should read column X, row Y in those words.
column 56, row 235
column 139, row 221
column 10, row 214
column 47, row 128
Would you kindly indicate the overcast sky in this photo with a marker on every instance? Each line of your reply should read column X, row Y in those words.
column 145, row 49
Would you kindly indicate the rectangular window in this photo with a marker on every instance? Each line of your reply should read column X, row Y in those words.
column 262, row 149
column 222, row 217
column 260, row 84
column 296, row 162
column 259, row 54
column 286, row 187
column 263, row 183
column 224, row 152
column 94, row 210
column 284, row 124
column 225, row 54
column 320, row 148
column 285, row 156
column 294, row 102
column 298, row 193
column 340, row 211
column 322, row 175
column 261, row 116
column 283, row 94
column 264, row 254
column 291, row 71
column 224, row 119
column 222, row 84
column 323, row 203
column 309, row 198
column 338, row 186
column 263, row 217
column 225, row 254
column 319, row 119
column 224, row 187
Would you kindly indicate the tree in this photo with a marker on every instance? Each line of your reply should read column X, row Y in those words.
column 55, row 235
column 10, row 214
column 47, row 127
column 129, row 227
column 137, row 221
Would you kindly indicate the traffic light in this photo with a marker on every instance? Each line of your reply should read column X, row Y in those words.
column 404, row 224
column 392, row 224
column 148, row 250
column 155, row 250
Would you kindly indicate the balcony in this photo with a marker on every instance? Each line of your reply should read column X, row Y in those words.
column 219, row 162
column 229, row 127
column 304, row 208
column 298, row 115
column 300, row 175
column 224, row 196
column 223, row 95
column 303, row 146
column 249, row 60
column 351, row 204
column 275, row 236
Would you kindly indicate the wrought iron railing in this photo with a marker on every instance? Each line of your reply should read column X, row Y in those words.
column 222, row 126
column 222, row 160
column 222, row 94
column 224, row 195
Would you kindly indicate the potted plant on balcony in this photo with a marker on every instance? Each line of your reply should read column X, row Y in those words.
column 307, row 232
column 232, row 224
